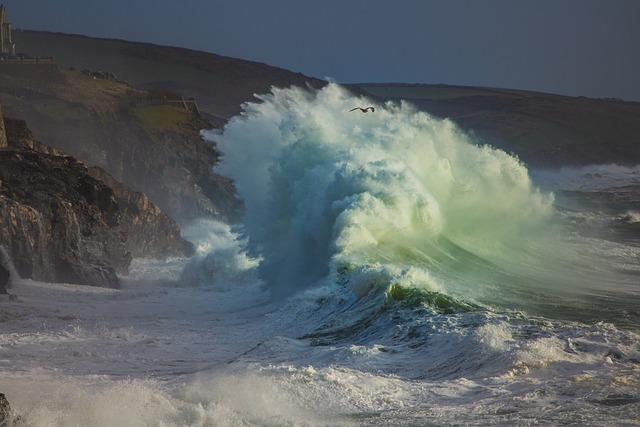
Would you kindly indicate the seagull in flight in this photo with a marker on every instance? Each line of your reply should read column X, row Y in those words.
column 364, row 110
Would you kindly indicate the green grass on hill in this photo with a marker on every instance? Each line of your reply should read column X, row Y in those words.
column 163, row 118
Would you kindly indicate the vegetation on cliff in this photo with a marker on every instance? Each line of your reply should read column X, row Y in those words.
column 144, row 140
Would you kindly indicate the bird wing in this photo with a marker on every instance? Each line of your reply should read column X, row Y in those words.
column 364, row 110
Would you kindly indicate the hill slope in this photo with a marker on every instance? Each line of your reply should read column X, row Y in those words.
column 143, row 140
column 220, row 84
column 544, row 130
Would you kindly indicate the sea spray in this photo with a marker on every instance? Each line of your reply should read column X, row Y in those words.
column 220, row 261
column 326, row 188
column 397, row 202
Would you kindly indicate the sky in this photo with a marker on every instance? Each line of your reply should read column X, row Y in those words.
column 570, row 47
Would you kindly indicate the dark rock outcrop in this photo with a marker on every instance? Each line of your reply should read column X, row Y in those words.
column 150, row 232
column 5, row 409
column 8, row 274
column 8, row 416
column 59, row 223
column 4, row 279
column 3, row 133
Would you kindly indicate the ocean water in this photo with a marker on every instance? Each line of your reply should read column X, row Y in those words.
column 388, row 272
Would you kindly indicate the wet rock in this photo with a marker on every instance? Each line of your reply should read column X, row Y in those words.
column 57, row 222
column 3, row 134
column 4, row 279
column 150, row 232
column 7, row 415
column 63, row 222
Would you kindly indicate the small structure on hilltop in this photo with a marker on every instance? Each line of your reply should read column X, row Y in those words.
column 8, row 48
column 8, row 53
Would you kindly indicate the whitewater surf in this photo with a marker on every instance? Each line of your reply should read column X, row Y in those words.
column 398, row 201
column 389, row 270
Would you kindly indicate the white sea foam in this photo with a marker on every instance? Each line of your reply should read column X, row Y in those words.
column 192, row 357
column 328, row 188
column 220, row 260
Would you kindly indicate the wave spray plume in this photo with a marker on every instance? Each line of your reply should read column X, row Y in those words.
column 397, row 194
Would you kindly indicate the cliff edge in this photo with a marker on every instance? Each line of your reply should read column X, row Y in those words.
column 59, row 223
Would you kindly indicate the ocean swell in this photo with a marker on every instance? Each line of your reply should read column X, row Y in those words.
column 332, row 194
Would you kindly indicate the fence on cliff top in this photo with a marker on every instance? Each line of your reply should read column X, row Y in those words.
column 20, row 60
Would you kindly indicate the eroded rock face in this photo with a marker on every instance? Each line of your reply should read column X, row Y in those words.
column 5, row 275
column 150, row 232
column 8, row 416
column 57, row 222
column 62, row 222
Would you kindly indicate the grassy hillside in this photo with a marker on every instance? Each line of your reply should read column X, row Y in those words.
column 219, row 84
column 163, row 118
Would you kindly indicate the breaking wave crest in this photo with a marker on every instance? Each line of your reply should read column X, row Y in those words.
column 394, row 204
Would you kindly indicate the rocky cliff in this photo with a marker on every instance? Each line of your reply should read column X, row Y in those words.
column 150, row 232
column 143, row 139
column 125, row 128
column 61, row 223
column 57, row 222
